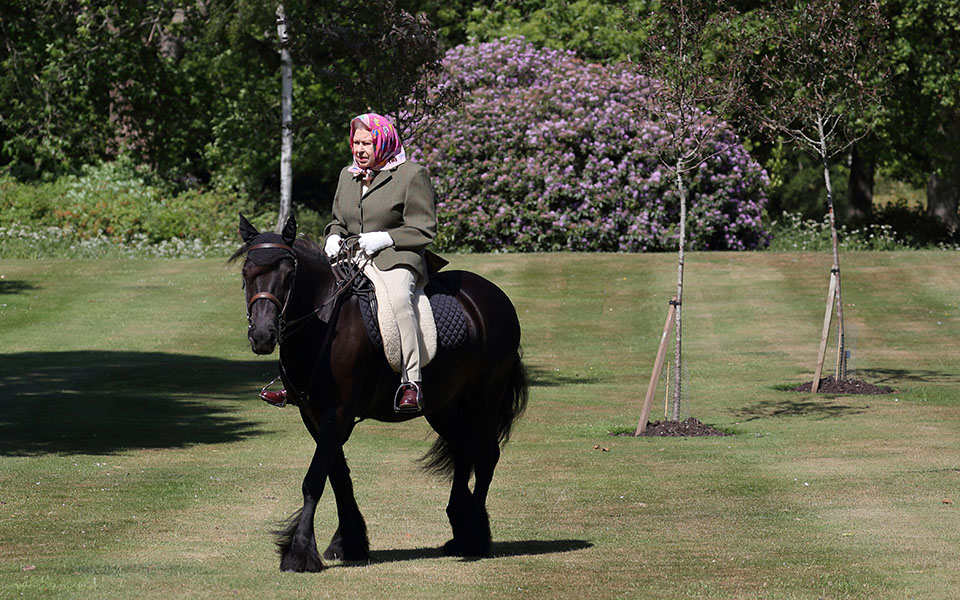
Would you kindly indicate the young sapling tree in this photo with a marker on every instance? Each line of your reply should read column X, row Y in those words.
column 820, row 72
column 694, row 85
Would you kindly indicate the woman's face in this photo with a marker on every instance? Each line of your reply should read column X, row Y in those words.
column 363, row 150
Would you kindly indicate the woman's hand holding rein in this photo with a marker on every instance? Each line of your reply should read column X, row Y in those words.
column 332, row 247
column 374, row 241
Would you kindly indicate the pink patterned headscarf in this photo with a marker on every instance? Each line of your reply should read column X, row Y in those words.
column 387, row 147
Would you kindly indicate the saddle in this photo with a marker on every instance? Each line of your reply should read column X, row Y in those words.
column 442, row 322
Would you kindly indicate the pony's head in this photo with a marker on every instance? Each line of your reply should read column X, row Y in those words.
column 269, row 270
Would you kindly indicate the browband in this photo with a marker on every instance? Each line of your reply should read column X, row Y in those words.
column 268, row 246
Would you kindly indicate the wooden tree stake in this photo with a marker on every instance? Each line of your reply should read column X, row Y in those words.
column 666, row 392
column 827, row 317
column 657, row 366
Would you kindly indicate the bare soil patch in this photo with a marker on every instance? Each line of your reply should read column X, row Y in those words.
column 690, row 427
column 830, row 385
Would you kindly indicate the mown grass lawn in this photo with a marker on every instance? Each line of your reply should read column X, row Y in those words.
column 136, row 460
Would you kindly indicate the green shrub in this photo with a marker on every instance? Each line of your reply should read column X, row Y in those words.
column 115, row 209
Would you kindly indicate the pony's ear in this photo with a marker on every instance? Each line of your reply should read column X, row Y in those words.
column 247, row 231
column 289, row 233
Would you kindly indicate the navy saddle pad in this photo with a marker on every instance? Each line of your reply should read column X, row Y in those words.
column 447, row 312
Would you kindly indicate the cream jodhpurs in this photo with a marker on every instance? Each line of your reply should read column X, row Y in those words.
column 401, row 284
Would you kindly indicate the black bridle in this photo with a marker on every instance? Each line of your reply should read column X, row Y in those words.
column 281, row 306
column 346, row 272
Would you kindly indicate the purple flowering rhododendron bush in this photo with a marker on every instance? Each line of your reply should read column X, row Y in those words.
column 547, row 152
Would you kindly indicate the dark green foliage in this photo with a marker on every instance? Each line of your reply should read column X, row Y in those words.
column 597, row 30
column 191, row 90
column 803, row 193
column 914, row 227
column 922, row 43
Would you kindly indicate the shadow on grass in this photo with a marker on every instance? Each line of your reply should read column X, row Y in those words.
column 8, row 286
column 92, row 402
column 819, row 409
column 499, row 550
column 893, row 376
column 540, row 377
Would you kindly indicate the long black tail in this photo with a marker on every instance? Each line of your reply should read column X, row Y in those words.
column 515, row 402
column 439, row 458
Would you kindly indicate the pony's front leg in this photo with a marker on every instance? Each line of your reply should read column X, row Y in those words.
column 296, row 541
column 350, row 541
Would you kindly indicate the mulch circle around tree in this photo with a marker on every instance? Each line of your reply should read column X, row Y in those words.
column 688, row 428
column 830, row 385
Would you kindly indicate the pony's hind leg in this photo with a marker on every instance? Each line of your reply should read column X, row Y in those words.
column 476, row 539
column 467, row 451
column 450, row 455
column 472, row 532
column 467, row 510
column 458, row 507
column 350, row 542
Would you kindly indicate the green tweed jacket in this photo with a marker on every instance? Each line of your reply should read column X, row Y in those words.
column 400, row 202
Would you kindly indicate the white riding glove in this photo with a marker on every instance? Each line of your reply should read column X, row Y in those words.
column 375, row 241
column 332, row 247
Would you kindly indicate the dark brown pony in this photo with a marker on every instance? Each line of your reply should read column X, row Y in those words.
column 336, row 377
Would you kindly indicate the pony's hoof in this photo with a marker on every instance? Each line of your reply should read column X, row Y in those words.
column 346, row 555
column 475, row 550
column 307, row 564
column 452, row 548
column 351, row 548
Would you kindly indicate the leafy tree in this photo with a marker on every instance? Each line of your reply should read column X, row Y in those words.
column 821, row 72
column 386, row 60
column 690, row 89
column 450, row 18
column 83, row 79
column 921, row 118
column 193, row 89
column 595, row 29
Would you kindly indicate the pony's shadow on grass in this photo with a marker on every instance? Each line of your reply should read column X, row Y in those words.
column 97, row 402
column 824, row 408
column 540, row 377
column 499, row 550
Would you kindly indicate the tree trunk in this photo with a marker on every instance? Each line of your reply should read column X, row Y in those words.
column 860, row 187
column 841, row 351
column 286, row 121
column 678, row 363
column 943, row 187
column 943, row 199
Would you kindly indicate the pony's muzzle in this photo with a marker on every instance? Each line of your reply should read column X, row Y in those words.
column 262, row 339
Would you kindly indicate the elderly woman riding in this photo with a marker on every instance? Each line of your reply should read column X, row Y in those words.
column 388, row 202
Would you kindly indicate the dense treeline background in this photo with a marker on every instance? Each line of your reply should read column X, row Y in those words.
column 188, row 92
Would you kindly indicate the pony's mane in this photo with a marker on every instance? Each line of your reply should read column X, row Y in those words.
column 306, row 245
